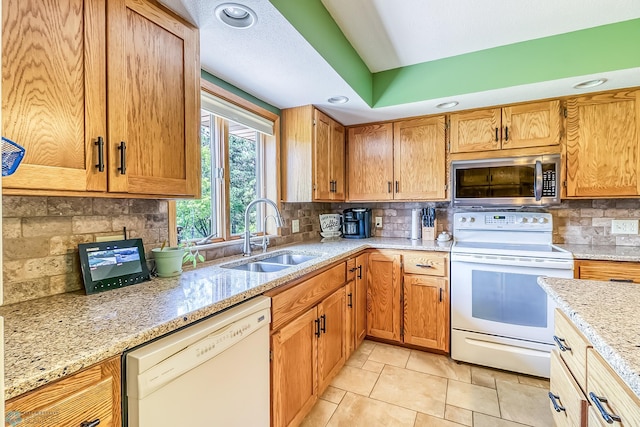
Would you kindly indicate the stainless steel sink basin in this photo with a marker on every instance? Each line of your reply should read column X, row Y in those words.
column 259, row 267
column 289, row 259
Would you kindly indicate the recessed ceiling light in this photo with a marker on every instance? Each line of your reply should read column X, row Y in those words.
column 236, row 15
column 338, row 99
column 449, row 104
column 589, row 83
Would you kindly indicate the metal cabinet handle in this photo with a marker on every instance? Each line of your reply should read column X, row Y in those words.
column 397, row 186
column 389, row 186
column 621, row 280
column 351, row 270
column 123, row 157
column 440, row 294
column 609, row 418
column 506, row 133
column 554, row 402
column 537, row 186
column 323, row 328
column 350, row 303
column 424, row 265
column 496, row 134
column 317, row 321
column 93, row 423
column 100, row 144
column 360, row 272
column 561, row 343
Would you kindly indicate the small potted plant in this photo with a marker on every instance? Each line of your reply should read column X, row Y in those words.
column 169, row 260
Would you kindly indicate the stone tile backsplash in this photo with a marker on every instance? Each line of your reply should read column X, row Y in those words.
column 41, row 237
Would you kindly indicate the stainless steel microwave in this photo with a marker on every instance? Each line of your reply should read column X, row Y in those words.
column 513, row 181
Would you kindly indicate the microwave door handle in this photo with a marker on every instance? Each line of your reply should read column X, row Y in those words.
column 537, row 188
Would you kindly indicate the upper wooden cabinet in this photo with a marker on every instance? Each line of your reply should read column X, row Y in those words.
column 402, row 161
column 519, row 126
column 312, row 156
column 603, row 145
column 59, row 59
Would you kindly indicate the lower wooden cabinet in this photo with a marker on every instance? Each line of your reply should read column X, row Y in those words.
column 566, row 399
column 610, row 271
column 92, row 394
column 409, row 308
column 332, row 345
column 360, row 298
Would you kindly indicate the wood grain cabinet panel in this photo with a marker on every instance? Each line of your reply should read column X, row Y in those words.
column 332, row 312
column 475, row 131
column 313, row 156
column 362, row 261
column 426, row 312
column 383, row 295
column 603, row 145
column 570, row 409
column 370, row 162
column 83, row 397
column 95, row 86
column 610, row 271
column 574, row 348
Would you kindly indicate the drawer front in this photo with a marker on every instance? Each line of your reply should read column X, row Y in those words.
column 570, row 409
column 351, row 269
column 604, row 383
column 287, row 305
column 575, row 346
column 429, row 263
column 608, row 271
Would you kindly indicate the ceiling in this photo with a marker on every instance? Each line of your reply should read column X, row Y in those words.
column 401, row 59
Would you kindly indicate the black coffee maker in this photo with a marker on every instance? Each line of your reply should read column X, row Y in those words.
column 356, row 223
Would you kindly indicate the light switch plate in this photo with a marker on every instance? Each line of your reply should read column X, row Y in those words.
column 624, row 226
column 295, row 226
column 378, row 222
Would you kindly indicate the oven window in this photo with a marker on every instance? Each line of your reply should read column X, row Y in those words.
column 510, row 298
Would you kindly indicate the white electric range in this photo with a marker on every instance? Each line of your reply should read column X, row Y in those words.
column 500, row 316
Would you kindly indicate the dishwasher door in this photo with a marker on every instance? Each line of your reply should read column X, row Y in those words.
column 214, row 373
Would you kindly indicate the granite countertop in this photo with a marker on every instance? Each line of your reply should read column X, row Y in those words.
column 48, row 338
column 604, row 252
column 607, row 314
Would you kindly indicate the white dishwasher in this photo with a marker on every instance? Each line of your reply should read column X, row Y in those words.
column 214, row 373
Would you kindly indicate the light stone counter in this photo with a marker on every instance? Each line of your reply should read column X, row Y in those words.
column 48, row 338
column 604, row 252
column 607, row 314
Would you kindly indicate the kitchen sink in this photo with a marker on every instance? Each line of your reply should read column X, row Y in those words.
column 259, row 267
column 289, row 259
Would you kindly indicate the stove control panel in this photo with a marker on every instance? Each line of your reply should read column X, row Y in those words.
column 523, row 221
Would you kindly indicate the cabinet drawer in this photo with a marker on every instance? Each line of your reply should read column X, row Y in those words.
column 614, row 271
column 575, row 348
column 430, row 263
column 604, row 383
column 289, row 304
column 351, row 269
column 571, row 404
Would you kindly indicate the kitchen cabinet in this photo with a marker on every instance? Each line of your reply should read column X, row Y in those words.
column 603, row 145
column 308, row 342
column 383, row 295
column 117, row 108
column 536, row 124
column 610, row 271
column 91, row 394
column 388, row 161
column 356, row 291
column 313, row 156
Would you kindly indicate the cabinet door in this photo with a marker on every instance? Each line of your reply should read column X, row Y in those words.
column 610, row 271
column 332, row 341
column 322, row 157
column 337, row 161
column 475, row 131
column 531, row 125
column 419, row 158
column 426, row 312
column 370, row 162
column 603, row 158
column 567, row 395
column 349, row 331
column 153, row 100
column 293, row 370
column 383, row 296
column 53, row 92
column 361, row 298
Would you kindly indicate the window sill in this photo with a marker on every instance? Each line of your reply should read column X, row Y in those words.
column 229, row 243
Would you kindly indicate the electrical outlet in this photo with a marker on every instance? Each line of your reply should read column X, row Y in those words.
column 378, row 222
column 109, row 238
column 295, row 226
column 624, row 226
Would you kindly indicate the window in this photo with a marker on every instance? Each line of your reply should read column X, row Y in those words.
column 233, row 144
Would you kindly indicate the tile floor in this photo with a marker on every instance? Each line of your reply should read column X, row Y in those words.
column 384, row 385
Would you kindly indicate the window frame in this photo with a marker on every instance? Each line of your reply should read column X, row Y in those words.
column 270, row 150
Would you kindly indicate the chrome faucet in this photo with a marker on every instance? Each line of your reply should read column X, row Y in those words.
column 247, row 234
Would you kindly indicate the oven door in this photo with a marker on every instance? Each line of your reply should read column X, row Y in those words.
column 499, row 295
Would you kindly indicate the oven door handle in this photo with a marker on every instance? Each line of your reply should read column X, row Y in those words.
column 518, row 261
column 537, row 188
